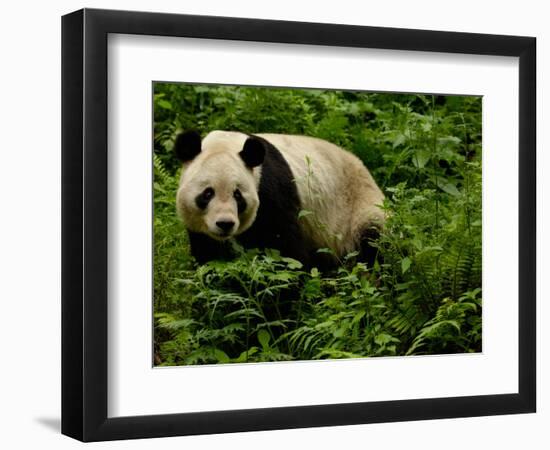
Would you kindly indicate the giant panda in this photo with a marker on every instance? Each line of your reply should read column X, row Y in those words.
column 296, row 194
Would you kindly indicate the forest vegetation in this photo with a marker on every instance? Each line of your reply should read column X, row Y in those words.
column 423, row 294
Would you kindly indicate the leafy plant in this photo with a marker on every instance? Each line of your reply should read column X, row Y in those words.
column 422, row 296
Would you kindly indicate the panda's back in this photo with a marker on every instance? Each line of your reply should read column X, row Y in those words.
column 334, row 186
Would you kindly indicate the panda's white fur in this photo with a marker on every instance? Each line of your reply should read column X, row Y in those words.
column 219, row 166
column 334, row 185
column 338, row 194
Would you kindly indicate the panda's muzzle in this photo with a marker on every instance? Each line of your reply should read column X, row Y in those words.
column 225, row 226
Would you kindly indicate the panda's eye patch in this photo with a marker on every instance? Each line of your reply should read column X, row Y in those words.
column 241, row 202
column 204, row 198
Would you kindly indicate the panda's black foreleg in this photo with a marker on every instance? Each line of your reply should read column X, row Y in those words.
column 289, row 240
column 205, row 249
column 368, row 252
column 292, row 244
column 285, row 237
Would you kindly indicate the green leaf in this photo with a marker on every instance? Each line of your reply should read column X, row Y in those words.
column 263, row 339
column 339, row 332
column 426, row 127
column 358, row 317
column 446, row 140
column 421, row 158
column 304, row 213
column 449, row 188
column 281, row 276
column 324, row 250
column 400, row 139
column 292, row 263
column 384, row 338
column 445, row 185
column 351, row 255
column 417, row 243
column 164, row 104
column 221, row 356
column 405, row 264
column 243, row 357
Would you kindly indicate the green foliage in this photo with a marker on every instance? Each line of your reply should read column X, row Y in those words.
column 423, row 294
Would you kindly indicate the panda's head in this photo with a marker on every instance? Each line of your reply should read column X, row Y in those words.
column 218, row 191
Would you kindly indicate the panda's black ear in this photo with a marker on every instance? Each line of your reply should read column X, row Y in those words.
column 253, row 152
column 188, row 145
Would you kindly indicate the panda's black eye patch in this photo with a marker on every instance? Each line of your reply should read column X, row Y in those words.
column 241, row 202
column 204, row 198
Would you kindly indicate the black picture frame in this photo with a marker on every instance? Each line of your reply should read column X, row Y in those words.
column 84, row 224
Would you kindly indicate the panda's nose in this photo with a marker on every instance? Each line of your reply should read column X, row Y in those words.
column 225, row 225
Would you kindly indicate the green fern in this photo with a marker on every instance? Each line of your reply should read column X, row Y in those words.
column 447, row 331
column 161, row 174
column 423, row 294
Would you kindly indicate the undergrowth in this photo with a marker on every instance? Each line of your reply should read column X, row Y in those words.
column 423, row 294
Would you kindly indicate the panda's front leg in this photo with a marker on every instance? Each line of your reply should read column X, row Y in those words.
column 205, row 249
column 293, row 244
column 283, row 235
column 369, row 252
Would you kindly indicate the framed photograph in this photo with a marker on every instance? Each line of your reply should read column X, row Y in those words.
column 273, row 224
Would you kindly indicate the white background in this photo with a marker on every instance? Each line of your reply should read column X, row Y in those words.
column 135, row 389
column 30, row 223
